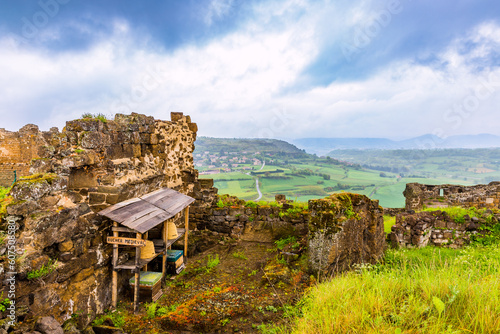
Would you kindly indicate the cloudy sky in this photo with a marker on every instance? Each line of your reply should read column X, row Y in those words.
column 256, row 68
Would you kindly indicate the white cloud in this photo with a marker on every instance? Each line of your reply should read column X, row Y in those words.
column 238, row 85
column 217, row 9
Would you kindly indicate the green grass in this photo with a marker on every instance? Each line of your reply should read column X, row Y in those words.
column 45, row 270
column 388, row 222
column 457, row 213
column 427, row 290
column 4, row 192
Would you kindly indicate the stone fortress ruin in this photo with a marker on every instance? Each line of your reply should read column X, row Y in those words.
column 65, row 178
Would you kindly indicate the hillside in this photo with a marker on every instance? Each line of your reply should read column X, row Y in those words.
column 245, row 146
column 322, row 146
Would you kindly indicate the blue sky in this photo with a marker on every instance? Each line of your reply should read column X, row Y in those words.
column 280, row 69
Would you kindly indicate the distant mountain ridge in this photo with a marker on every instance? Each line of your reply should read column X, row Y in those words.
column 322, row 146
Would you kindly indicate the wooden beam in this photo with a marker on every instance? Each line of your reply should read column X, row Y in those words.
column 122, row 229
column 146, row 235
column 164, row 261
column 137, row 275
column 186, row 225
column 114, row 288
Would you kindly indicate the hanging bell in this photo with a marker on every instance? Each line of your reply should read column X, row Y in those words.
column 172, row 230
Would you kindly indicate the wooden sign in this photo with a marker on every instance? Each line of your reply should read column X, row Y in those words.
column 126, row 241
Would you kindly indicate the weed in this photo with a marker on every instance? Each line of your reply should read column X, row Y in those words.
column 162, row 311
column 271, row 308
column 98, row 116
column 253, row 273
column 251, row 204
column 240, row 255
column 115, row 317
column 4, row 303
column 224, row 322
column 4, row 192
column 212, row 262
column 151, row 310
column 291, row 240
column 45, row 270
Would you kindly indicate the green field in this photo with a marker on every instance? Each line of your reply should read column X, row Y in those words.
column 379, row 174
column 388, row 190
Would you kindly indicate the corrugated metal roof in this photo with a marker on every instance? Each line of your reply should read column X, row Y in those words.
column 147, row 211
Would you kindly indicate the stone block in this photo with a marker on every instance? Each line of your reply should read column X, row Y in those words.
column 447, row 235
column 176, row 116
column 440, row 224
column 96, row 198
column 112, row 198
column 65, row 246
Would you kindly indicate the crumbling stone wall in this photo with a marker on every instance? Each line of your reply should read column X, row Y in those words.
column 75, row 173
column 436, row 228
column 345, row 229
column 481, row 196
column 232, row 217
column 16, row 151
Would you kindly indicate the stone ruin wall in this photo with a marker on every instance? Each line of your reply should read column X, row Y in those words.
column 91, row 165
column 481, row 196
column 436, row 228
column 342, row 229
column 87, row 167
column 16, row 151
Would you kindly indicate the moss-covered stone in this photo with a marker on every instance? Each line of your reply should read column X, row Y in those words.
column 344, row 229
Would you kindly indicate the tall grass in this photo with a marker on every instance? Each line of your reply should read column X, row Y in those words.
column 428, row 290
column 457, row 213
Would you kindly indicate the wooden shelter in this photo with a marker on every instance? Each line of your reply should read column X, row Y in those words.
column 138, row 216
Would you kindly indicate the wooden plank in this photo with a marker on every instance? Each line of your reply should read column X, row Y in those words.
column 141, row 216
column 118, row 206
column 164, row 239
column 162, row 201
column 137, row 219
column 146, row 235
column 122, row 229
column 159, row 195
column 180, row 234
column 186, row 225
column 114, row 287
column 144, row 225
column 129, row 213
column 125, row 241
column 178, row 205
column 130, row 264
column 137, row 275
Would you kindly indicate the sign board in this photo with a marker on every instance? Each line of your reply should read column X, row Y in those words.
column 126, row 241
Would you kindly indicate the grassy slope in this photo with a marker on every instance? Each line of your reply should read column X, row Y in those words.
column 428, row 290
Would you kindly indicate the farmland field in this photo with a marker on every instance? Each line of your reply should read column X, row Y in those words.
column 378, row 174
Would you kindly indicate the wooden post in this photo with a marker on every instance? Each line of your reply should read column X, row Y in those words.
column 114, row 289
column 164, row 261
column 146, row 235
column 137, row 275
column 186, row 225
